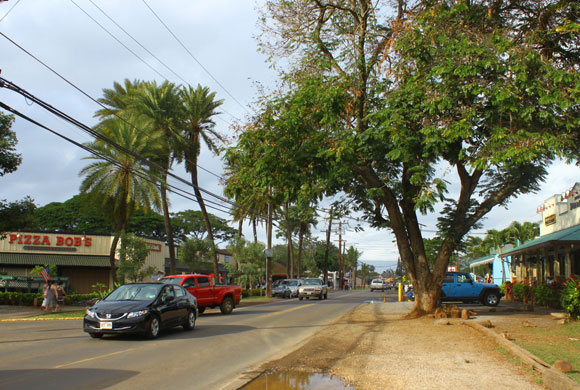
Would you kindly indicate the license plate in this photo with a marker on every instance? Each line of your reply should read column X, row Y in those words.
column 105, row 325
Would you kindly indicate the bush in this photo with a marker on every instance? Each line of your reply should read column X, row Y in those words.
column 81, row 299
column 519, row 291
column 19, row 298
column 548, row 295
column 252, row 292
column 571, row 297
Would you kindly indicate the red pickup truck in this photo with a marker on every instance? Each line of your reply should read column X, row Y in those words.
column 208, row 295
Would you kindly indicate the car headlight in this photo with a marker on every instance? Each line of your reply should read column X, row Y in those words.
column 90, row 312
column 137, row 314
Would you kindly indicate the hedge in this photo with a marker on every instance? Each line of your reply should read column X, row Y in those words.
column 27, row 299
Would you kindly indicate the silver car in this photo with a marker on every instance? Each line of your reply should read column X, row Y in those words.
column 378, row 284
column 287, row 288
column 312, row 287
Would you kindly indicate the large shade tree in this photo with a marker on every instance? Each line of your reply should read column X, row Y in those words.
column 488, row 90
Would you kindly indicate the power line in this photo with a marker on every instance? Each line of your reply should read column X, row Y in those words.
column 26, row 94
column 10, row 10
column 192, row 56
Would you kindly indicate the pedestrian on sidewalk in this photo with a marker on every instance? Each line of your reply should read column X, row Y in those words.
column 60, row 294
column 51, row 295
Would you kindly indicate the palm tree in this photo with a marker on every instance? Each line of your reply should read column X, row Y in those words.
column 161, row 106
column 120, row 182
column 199, row 109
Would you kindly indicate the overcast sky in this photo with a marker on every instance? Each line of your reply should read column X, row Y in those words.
column 219, row 36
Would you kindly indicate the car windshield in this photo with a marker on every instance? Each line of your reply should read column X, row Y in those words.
column 175, row 281
column 134, row 292
column 312, row 282
column 292, row 283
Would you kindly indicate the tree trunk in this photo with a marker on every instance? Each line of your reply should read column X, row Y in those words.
column 112, row 253
column 207, row 223
column 168, row 229
column 300, row 243
column 255, row 228
column 269, row 246
column 289, row 241
column 326, row 249
column 240, row 226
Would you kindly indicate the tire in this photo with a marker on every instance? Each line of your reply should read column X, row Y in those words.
column 491, row 298
column 300, row 298
column 326, row 295
column 372, row 290
column 96, row 335
column 200, row 310
column 320, row 296
column 227, row 305
column 189, row 323
column 287, row 294
column 153, row 328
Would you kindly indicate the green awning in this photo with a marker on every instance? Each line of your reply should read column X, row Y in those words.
column 481, row 261
column 62, row 260
column 570, row 235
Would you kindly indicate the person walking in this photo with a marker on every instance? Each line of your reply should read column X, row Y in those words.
column 60, row 294
column 44, row 292
column 51, row 295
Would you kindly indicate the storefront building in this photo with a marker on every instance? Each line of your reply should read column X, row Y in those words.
column 556, row 253
column 84, row 259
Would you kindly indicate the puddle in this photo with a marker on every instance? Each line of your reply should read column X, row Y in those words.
column 294, row 380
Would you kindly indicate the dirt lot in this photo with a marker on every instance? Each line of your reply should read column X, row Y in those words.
column 374, row 347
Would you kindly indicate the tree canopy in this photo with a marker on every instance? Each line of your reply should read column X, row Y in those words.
column 391, row 110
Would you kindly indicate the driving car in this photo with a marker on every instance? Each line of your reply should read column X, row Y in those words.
column 312, row 287
column 287, row 288
column 378, row 284
column 141, row 308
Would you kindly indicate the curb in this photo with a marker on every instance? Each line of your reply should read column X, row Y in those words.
column 551, row 378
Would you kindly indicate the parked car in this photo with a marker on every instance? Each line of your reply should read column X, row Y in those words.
column 459, row 286
column 378, row 284
column 208, row 295
column 287, row 288
column 312, row 287
column 142, row 308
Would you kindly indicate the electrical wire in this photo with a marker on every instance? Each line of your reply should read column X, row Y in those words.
column 193, row 57
column 10, row 10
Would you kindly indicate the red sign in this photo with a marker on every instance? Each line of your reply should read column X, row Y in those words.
column 33, row 239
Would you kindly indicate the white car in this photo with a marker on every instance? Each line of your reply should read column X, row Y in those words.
column 378, row 284
column 312, row 287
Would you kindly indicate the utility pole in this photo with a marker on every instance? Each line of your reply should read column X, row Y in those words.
column 269, row 251
column 325, row 270
column 340, row 258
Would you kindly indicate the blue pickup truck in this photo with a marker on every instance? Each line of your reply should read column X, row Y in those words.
column 459, row 286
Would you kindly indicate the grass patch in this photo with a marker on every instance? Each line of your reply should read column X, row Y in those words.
column 62, row 315
column 555, row 343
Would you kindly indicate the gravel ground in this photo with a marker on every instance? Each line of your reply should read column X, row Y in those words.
column 374, row 347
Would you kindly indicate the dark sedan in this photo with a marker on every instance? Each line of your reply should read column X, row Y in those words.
column 142, row 308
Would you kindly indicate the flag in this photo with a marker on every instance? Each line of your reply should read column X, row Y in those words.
column 45, row 272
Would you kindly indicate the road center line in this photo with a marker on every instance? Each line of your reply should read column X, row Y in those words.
column 94, row 358
column 287, row 310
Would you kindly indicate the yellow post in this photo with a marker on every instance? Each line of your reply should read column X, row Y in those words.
column 400, row 292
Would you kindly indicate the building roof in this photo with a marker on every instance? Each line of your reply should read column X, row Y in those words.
column 570, row 235
column 482, row 260
column 57, row 259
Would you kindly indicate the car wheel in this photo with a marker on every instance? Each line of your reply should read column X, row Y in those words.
column 320, row 296
column 200, row 310
column 227, row 305
column 153, row 328
column 491, row 298
column 96, row 335
column 189, row 321
column 300, row 298
column 326, row 295
column 287, row 294
column 372, row 290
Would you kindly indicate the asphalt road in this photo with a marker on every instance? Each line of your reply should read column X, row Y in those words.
column 59, row 355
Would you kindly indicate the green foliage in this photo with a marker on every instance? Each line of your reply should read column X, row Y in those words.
column 194, row 252
column 132, row 257
column 101, row 290
column 36, row 270
column 545, row 295
column 190, row 223
column 252, row 292
column 18, row 215
column 519, row 291
column 9, row 159
column 19, row 298
column 571, row 297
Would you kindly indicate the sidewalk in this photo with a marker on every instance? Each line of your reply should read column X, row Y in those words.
column 8, row 312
